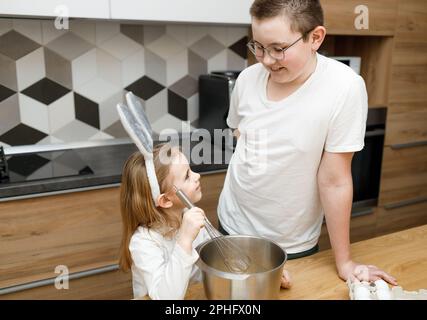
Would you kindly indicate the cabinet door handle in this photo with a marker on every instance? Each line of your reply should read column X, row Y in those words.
column 405, row 203
column 408, row 145
column 357, row 213
column 51, row 281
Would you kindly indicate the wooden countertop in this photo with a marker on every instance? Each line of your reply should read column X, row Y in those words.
column 402, row 254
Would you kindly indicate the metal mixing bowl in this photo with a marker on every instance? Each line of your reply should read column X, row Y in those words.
column 260, row 281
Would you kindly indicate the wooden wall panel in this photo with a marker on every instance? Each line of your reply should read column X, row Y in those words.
column 404, row 174
column 409, row 71
column 412, row 21
column 211, row 188
column 409, row 53
column 408, row 84
column 340, row 16
column 406, row 123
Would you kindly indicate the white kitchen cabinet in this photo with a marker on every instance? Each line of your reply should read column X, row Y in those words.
column 198, row 11
column 99, row 9
column 202, row 11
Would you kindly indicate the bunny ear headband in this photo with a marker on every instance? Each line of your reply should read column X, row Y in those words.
column 138, row 127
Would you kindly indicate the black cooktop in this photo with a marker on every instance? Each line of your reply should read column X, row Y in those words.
column 51, row 171
column 43, row 165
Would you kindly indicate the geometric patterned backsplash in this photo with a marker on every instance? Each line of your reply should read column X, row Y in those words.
column 60, row 86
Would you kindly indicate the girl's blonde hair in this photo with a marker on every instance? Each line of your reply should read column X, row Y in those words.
column 136, row 203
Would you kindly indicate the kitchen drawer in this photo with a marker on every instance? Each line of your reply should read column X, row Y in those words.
column 406, row 124
column 76, row 229
column 400, row 218
column 361, row 228
column 113, row 285
column 404, row 175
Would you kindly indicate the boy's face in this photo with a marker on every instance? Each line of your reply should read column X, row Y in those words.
column 185, row 179
column 276, row 32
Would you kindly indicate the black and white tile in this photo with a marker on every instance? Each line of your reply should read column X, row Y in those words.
column 59, row 86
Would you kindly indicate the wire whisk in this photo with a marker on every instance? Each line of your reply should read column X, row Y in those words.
column 232, row 256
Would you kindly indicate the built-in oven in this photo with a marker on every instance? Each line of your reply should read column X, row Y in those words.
column 366, row 164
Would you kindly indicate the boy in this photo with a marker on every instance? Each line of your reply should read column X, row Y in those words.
column 301, row 117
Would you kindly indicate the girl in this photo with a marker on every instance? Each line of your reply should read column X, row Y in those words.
column 158, row 241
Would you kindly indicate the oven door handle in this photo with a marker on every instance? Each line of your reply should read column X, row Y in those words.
column 375, row 133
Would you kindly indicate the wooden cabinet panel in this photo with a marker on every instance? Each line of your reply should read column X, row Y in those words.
column 340, row 16
column 361, row 228
column 404, row 175
column 211, row 188
column 410, row 53
column 408, row 84
column 412, row 21
column 391, row 220
column 409, row 71
column 406, row 123
column 76, row 229
column 324, row 243
column 114, row 285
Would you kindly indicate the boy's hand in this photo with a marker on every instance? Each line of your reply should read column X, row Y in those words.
column 286, row 281
column 192, row 221
column 363, row 272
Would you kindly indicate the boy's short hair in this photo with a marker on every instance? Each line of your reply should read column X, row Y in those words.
column 304, row 15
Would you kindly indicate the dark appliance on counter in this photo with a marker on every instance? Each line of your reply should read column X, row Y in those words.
column 366, row 165
column 214, row 100
column 26, row 167
column 4, row 170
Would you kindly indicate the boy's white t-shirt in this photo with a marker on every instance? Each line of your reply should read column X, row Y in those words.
column 271, row 188
column 161, row 268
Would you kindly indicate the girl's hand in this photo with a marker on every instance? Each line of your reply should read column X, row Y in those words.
column 286, row 281
column 192, row 221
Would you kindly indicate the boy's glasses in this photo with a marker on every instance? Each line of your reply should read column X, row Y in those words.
column 274, row 51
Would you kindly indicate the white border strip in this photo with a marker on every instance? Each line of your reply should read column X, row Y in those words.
column 64, row 146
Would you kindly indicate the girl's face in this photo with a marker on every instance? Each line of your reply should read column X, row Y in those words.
column 185, row 179
column 276, row 33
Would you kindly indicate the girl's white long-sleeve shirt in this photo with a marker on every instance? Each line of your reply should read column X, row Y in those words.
column 161, row 268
